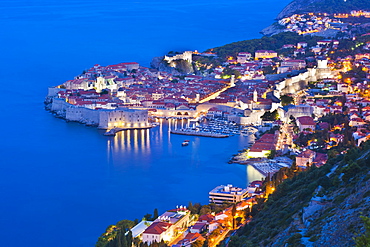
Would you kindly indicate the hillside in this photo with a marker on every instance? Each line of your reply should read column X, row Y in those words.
column 328, row 6
column 265, row 43
column 318, row 207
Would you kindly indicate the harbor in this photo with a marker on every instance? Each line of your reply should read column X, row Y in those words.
column 198, row 133
column 217, row 128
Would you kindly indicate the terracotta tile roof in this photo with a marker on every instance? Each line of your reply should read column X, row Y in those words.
column 157, row 228
column 306, row 120
column 206, row 217
column 307, row 154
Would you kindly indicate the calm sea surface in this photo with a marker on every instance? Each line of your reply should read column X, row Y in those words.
column 63, row 183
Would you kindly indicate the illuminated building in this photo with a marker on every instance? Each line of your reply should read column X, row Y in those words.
column 123, row 118
column 167, row 225
column 227, row 193
column 265, row 54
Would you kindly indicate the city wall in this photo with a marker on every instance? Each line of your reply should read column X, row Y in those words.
column 82, row 115
column 105, row 119
column 296, row 83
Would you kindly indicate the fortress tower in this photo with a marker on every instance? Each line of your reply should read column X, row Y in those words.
column 322, row 64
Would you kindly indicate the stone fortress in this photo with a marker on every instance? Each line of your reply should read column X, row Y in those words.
column 186, row 55
column 103, row 118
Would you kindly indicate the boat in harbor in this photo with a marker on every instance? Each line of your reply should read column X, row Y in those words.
column 198, row 133
column 185, row 143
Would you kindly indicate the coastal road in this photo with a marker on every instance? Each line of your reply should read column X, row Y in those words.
column 219, row 238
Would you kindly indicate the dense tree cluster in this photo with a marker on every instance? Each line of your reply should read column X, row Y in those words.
column 270, row 116
column 286, row 100
column 265, row 43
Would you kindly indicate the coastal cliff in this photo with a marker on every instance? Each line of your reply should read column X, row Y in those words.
column 273, row 29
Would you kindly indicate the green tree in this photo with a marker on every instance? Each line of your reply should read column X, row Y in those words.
column 206, row 209
column 364, row 239
column 233, row 213
column 148, row 217
column 155, row 214
column 286, row 100
column 205, row 243
column 194, row 208
column 197, row 243
column 350, row 171
column 269, row 70
column 237, row 241
column 270, row 116
column 228, row 72
column 271, row 154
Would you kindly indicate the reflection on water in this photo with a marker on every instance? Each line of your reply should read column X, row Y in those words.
column 157, row 148
column 137, row 141
column 253, row 174
column 133, row 147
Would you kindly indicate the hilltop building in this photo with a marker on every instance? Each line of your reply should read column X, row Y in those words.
column 186, row 55
column 265, row 54
column 243, row 57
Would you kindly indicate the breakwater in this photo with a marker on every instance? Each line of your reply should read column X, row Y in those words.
column 114, row 131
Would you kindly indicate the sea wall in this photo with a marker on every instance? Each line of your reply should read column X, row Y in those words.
column 82, row 115
column 53, row 91
column 104, row 118
column 59, row 106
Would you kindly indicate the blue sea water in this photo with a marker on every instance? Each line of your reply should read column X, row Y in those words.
column 63, row 183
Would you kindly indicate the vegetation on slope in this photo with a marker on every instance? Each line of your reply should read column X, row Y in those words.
column 265, row 43
column 335, row 6
column 343, row 188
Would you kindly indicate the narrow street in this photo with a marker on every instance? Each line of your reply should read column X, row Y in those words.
column 219, row 238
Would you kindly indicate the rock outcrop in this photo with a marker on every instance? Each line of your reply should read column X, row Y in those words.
column 181, row 66
column 294, row 7
column 273, row 29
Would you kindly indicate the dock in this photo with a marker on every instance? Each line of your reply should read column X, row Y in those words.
column 198, row 133
column 114, row 131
